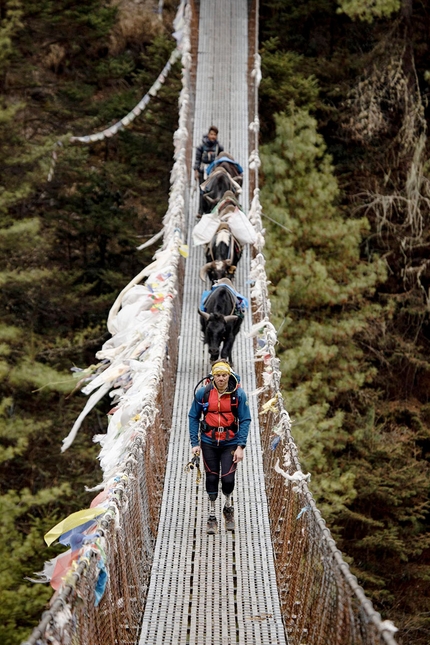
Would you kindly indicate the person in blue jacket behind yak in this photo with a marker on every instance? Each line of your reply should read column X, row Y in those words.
column 219, row 420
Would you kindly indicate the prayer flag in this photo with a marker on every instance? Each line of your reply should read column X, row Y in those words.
column 70, row 522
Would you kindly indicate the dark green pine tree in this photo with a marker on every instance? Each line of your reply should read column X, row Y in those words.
column 67, row 247
column 368, row 457
column 35, row 489
column 320, row 292
column 369, row 10
column 368, row 62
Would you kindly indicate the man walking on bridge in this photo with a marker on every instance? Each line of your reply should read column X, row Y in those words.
column 220, row 415
column 206, row 153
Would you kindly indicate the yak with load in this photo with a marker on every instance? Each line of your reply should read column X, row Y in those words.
column 224, row 174
column 222, row 255
column 221, row 314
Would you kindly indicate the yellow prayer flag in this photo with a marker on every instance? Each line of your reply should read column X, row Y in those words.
column 71, row 522
column 270, row 405
column 183, row 250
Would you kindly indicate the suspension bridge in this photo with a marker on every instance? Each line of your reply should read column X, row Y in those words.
column 279, row 578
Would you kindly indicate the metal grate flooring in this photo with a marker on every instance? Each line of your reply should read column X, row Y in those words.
column 210, row 590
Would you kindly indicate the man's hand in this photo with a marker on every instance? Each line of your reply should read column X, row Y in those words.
column 238, row 455
column 195, row 450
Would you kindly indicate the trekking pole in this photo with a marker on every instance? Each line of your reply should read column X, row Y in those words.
column 194, row 463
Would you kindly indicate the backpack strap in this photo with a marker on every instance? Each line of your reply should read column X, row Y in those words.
column 234, row 402
column 205, row 399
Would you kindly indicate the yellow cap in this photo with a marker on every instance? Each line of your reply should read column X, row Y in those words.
column 221, row 367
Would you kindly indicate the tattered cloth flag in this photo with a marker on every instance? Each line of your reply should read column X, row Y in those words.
column 55, row 569
column 102, row 579
column 72, row 521
column 77, row 536
column 62, row 566
column 100, row 498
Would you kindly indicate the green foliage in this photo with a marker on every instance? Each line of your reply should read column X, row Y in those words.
column 114, row 68
column 38, row 375
column 283, row 82
column 355, row 355
column 67, row 247
column 385, row 528
column 76, row 32
column 21, row 550
column 319, row 286
column 10, row 25
column 368, row 10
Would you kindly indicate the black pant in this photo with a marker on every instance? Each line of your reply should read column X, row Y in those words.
column 218, row 460
column 202, row 201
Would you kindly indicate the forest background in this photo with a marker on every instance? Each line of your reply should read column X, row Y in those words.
column 344, row 114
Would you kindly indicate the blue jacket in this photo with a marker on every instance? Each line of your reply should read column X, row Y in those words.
column 243, row 419
column 218, row 161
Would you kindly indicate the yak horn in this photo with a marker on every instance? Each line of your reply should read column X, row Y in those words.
column 205, row 314
column 204, row 270
column 230, row 318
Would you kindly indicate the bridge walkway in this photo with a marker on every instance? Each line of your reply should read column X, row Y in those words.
column 210, row 590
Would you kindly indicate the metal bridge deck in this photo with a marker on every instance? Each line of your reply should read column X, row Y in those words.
column 208, row 590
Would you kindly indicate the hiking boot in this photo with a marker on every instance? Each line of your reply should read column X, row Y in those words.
column 212, row 525
column 228, row 513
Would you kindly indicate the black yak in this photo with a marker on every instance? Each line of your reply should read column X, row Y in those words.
column 221, row 319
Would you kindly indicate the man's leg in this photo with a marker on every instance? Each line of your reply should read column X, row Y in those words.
column 211, row 461
column 228, row 472
column 201, row 198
